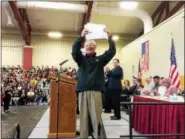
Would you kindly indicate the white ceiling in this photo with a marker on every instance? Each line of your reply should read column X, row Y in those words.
column 53, row 20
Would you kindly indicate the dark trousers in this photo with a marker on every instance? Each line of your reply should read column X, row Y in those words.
column 125, row 98
column 6, row 101
column 44, row 99
column 115, row 95
column 107, row 101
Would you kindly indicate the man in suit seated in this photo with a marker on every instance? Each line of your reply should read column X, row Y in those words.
column 155, row 89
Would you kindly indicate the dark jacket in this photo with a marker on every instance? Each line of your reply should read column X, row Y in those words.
column 91, row 68
column 125, row 91
column 134, row 89
column 114, row 78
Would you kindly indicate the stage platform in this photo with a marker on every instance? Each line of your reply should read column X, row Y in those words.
column 113, row 129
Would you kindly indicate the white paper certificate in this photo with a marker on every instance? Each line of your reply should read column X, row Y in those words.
column 96, row 31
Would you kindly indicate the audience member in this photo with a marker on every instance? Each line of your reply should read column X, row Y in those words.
column 148, row 87
column 125, row 96
column 156, row 80
column 170, row 89
column 137, row 86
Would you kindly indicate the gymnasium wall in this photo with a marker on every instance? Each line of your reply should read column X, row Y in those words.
column 52, row 52
column 159, row 49
column 47, row 51
column 12, row 47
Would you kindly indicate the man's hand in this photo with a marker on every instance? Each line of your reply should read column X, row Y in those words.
column 108, row 32
column 84, row 32
column 155, row 92
column 107, row 69
column 147, row 93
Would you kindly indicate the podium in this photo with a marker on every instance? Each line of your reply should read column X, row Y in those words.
column 67, row 107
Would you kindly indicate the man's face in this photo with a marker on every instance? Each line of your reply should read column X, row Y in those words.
column 115, row 63
column 165, row 84
column 90, row 47
column 161, row 82
column 156, row 81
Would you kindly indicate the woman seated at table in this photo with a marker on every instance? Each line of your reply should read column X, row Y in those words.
column 125, row 95
column 137, row 86
column 166, row 88
column 126, row 87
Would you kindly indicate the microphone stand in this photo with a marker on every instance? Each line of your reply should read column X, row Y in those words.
column 57, row 91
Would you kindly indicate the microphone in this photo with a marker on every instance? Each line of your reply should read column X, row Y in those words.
column 63, row 62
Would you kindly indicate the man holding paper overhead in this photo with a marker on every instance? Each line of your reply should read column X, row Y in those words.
column 90, row 83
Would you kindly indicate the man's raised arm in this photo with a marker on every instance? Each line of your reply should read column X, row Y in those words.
column 76, row 50
column 109, row 54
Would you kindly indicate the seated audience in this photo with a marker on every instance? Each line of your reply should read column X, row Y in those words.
column 30, row 96
column 161, row 79
column 23, row 98
column 44, row 98
column 156, row 80
column 15, row 97
column 126, row 88
column 137, row 86
column 170, row 89
column 22, row 87
column 148, row 87
column 166, row 88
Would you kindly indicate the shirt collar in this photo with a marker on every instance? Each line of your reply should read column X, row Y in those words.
column 91, row 55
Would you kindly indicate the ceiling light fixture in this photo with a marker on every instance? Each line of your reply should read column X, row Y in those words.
column 55, row 35
column 128, row 5
column 115, row 38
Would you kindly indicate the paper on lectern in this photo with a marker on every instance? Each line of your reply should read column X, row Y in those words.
column 96, row 31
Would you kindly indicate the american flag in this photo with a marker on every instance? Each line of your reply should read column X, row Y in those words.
column 145, row 56
column 174, row 74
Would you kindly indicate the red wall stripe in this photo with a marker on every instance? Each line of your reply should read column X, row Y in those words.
column 27, row 58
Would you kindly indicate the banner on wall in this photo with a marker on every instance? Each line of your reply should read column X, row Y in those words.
column 145, row 56
column 27, row 57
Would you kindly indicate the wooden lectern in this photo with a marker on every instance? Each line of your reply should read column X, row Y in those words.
column 67, row 108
